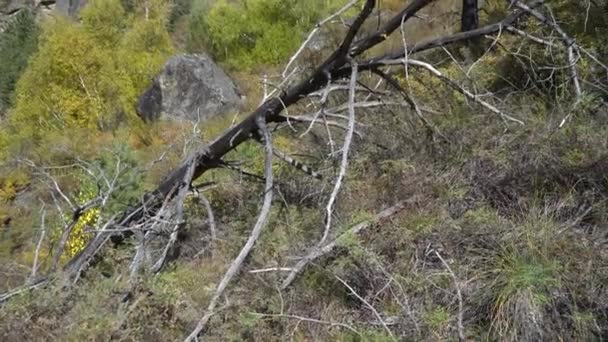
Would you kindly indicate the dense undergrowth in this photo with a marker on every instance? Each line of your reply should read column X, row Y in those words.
column 512, row 217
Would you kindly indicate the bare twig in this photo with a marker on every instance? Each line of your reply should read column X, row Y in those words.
column 210, row 216
column 413, row 105
column 371, row 307
column 8, row 295
column 181, row 197
column 345, row 150
column 461, row 331
column 140, row 250
column 39, row 244
column 452, row 84
column 301, row 118
column 271, row 269
column 311, row 320
column 312, row 34
column 569, row 43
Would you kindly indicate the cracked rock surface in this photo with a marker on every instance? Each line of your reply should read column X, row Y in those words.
column 189, row 88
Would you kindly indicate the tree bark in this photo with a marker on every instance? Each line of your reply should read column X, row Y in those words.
column 469, row 19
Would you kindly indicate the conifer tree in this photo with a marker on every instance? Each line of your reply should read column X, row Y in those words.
column 17, row 43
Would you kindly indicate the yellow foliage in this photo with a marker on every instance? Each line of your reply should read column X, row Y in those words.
column 104, row 20
column 87, row 76
column 11, row 184
column 79, row 237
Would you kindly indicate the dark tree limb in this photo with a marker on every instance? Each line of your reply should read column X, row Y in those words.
column 451, row 39
column 382, row 34
column 413, row 105
column 469, row 19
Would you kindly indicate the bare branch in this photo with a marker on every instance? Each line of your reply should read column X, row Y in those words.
column 569, row 43
column 345, row 150
column 413, row 105
column 210, row 216
column 8, row 295
column 271, row 269
column 312, row 34
column 317, row 252
column 371, row 307
column 386, row 30
column 461, row 331
column 303, row 119
column 255, row 234
column 462, row 90
column 455, row 38
column 39, row 244
column 181, row 197
column 311, row 320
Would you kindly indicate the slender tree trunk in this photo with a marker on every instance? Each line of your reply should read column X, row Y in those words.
column 470, row 15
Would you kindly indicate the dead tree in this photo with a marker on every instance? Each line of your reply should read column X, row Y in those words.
column 324, row 80
column 335, row 68
column 340, row 73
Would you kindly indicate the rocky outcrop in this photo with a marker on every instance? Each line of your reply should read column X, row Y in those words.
column 70, row 7
column 9, row 8
column 190, row 87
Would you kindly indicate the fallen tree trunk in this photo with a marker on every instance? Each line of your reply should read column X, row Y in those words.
column 210, row 157
column 336, row 67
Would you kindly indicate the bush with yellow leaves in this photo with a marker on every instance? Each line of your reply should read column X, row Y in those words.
column 87, row 76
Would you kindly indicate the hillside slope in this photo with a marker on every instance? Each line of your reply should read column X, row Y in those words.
column 460, row 196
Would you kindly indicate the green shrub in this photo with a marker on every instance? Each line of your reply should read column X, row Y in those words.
column 179, row 8
column 104, row 20
column 248, row 33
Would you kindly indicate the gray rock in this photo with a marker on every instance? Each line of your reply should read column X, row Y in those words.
column 188, row 88
column 9, row 7
column 70, row 7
